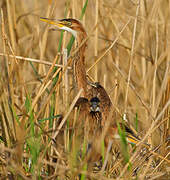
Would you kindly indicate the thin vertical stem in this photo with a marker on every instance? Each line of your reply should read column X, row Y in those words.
column 143, row 62
column 96, row 37
column 131, row 54
column 73, row 9
column 104, row 80
column 155, row 71
column 11, row 25
column 84, row 17
column 66, row 85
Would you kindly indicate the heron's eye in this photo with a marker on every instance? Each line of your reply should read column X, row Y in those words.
column 67, row 23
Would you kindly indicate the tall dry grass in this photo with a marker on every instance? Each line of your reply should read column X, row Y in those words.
column 128, row 53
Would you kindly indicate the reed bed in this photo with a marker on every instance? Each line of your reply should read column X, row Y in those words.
column 128, row 53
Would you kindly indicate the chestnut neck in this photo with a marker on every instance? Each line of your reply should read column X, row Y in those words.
column 80, row 71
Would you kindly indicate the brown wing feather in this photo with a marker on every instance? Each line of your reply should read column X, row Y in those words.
column 95, row 89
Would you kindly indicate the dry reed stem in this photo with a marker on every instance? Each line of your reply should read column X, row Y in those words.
column 33, row 60
column 134, row 90
column 56, row 85
column 142, row 177
column 150, row 130
column 159, row 156
column 7, row 118
column 143, row 51
column 165, row 79
column 11, row 24
column 116, row 86
column 45, row 84
column 110, row 47
column 153, row 110
column 96, row 37
column 66, row 116
column 107, row 156
column 49, row 96
column 51, row 69
column 73, row 9
column 43, row 43
column 164, row 159
column 66, row 82
column 131, row 55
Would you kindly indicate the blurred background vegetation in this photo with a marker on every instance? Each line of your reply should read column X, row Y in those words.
column 133, row 66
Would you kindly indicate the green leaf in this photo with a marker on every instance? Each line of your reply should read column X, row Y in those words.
column 70, row 44
column 27, row 103
column 83, row 10
column 103, row 149
column 49, row 118
column 124, row 143
column 136, row 122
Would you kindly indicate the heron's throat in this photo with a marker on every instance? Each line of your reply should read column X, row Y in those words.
column 73, row 32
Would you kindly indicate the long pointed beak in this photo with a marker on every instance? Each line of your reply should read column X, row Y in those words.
column 54, row 22
column 59, row 24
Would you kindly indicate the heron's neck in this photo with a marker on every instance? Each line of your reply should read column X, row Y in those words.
column 81, row 37
column 80, row 71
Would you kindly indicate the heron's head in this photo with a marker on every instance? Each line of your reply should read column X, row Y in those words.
column 71, row 25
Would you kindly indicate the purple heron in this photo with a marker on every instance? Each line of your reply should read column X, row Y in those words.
column 90, row 89
column 94, row 95
column 95, row 104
